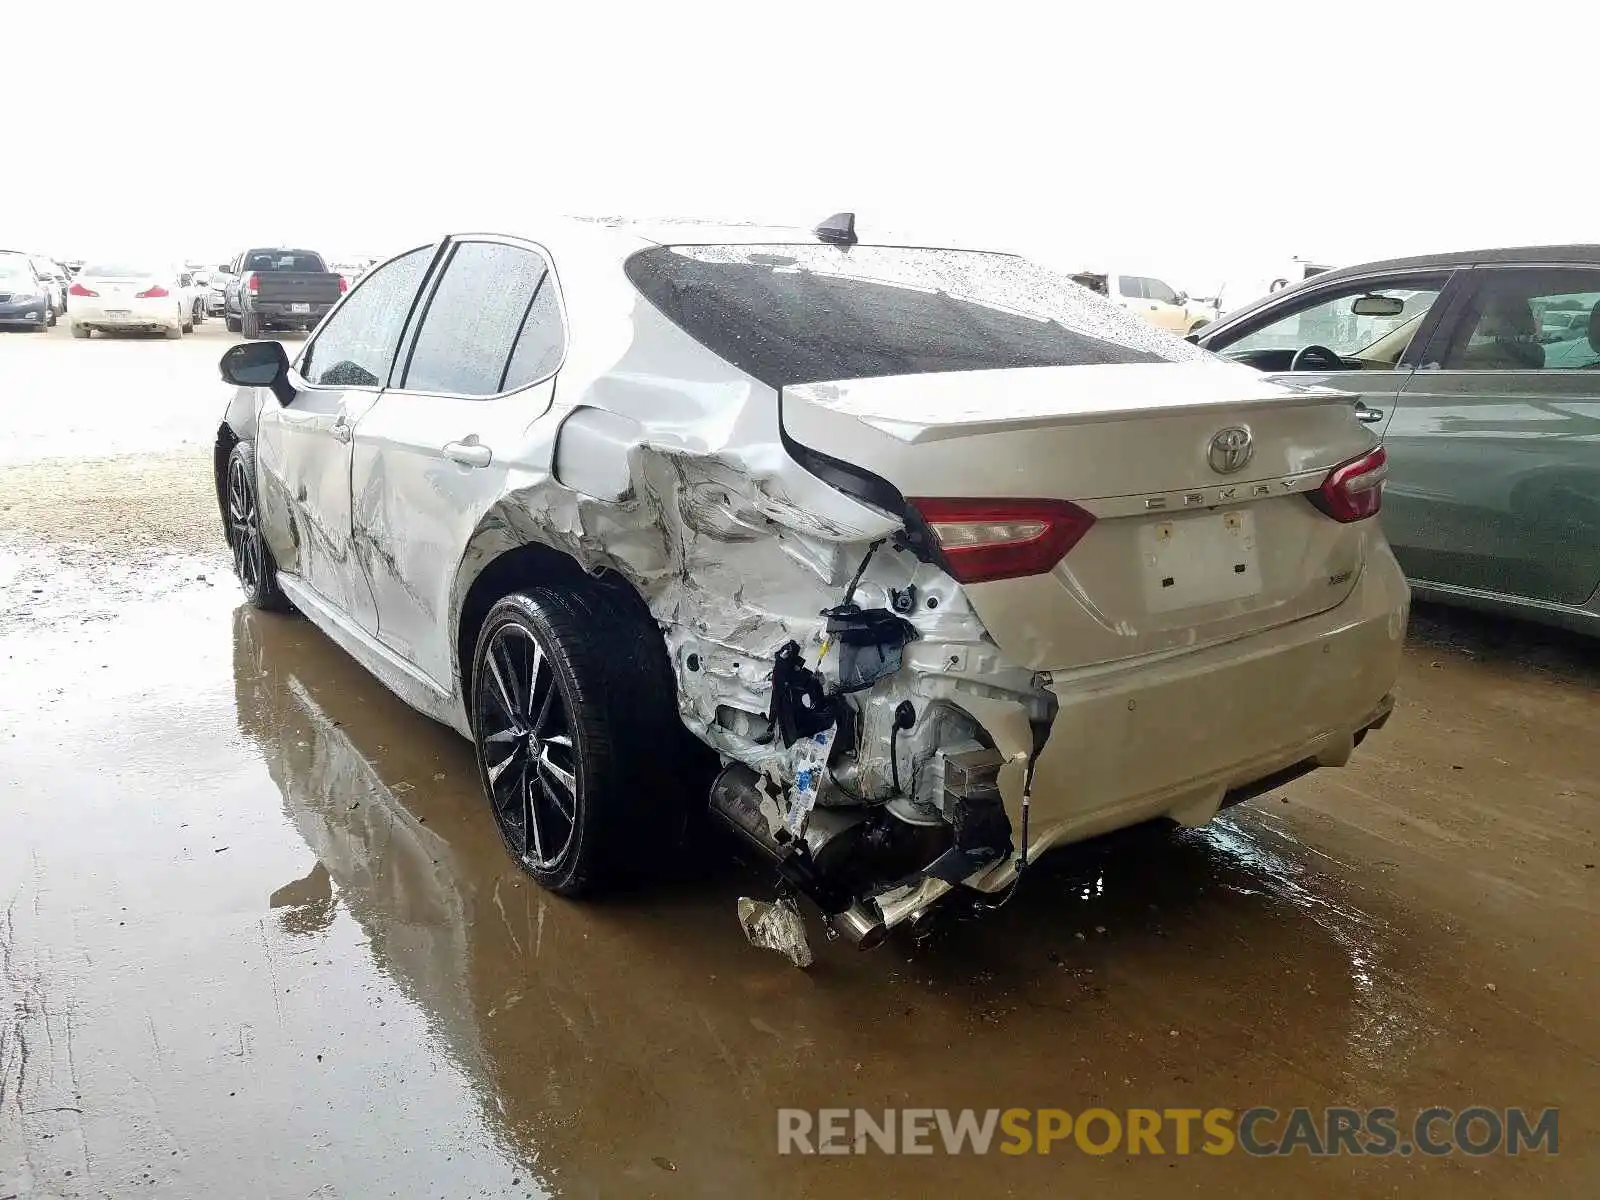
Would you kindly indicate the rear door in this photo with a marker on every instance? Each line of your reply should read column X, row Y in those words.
column 1495, row 444
column 303, row 449
column 449, row 437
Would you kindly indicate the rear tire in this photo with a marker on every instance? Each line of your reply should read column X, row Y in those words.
column 173, row 332
column 250, row 325
column 575, row 722
column 81, row 332
column 253, row 564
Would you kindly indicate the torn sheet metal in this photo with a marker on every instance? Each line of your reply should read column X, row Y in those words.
column 776, row 926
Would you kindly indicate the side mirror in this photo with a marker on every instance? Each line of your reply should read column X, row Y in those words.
column 1377, row 306
column 258, row 364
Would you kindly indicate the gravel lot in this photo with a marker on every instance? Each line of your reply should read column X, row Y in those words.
column 259, row 937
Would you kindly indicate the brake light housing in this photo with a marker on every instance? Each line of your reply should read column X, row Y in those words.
column 985, row 539
column 344, row 285
column 77, row 289
column 154, row 292
column 1353, row 491
column 252, row 282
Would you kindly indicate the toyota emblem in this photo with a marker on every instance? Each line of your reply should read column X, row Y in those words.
column 1231, row 449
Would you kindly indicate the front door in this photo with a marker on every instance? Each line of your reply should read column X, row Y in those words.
column 450, row 438
column 1165, row 307
column 1494, row 447
column 1354, row 336
column 304, row 448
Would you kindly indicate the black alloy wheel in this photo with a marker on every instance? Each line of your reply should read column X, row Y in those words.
column 525, row 739
column 253, row 564
column 589, row 772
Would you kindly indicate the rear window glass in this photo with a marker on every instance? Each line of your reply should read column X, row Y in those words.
column 283, row 260
column 790, row 314
column 116, row 270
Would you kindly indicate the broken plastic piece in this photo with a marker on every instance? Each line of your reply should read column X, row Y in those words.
column 870, row 641
column 800, row 708
column 776, row 926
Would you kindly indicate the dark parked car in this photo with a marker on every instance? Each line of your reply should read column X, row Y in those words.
column 1481, row 372
column 26, row 298
column 278, row 288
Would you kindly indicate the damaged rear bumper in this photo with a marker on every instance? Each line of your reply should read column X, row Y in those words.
column 1186, row 736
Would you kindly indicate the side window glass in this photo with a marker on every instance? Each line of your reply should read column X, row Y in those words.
column 1371, row 324
column 1154, row 289
column 356, row 345
column 486, row 295
column 1529, row 321
column 1128, row 286
column 541, row 342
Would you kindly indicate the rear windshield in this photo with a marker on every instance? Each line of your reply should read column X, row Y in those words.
column 118, row 270
column 283, row 260
column 790, row 314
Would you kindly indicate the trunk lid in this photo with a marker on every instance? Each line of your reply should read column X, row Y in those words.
column 1180, row 555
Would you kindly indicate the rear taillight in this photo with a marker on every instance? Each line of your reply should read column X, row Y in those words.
column 1002, row 539
column 1353, row 491
column 344, row 284
column 154, row 292
column 252, row 282
column 78, row 289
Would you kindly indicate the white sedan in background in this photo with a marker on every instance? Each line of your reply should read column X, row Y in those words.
column 117, row 296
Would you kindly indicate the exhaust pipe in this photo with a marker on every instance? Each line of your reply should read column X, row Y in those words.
column 859, row 925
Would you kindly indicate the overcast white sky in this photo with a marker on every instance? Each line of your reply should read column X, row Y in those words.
column 1197, row 141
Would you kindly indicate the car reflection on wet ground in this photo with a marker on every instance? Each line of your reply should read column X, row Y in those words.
column 260, row 937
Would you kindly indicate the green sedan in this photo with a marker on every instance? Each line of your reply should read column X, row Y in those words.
column 1481, row 372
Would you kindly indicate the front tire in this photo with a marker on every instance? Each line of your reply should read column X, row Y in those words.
column 50, row 315
column 253, row 564
column 574, row 717
column 231, row 324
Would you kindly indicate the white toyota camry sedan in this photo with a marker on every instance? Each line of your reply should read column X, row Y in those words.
column 906, row 563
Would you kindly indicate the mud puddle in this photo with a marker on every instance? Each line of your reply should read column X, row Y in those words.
column 261, row 938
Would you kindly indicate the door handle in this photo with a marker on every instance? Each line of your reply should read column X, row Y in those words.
column 341, row 429
column 1368, row 416
column 468, row 454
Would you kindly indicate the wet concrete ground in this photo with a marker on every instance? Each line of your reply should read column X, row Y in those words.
column 259, row 937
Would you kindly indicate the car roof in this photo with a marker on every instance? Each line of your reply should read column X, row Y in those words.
column 1575, row 254
column 689, row 231
column 1583, row 253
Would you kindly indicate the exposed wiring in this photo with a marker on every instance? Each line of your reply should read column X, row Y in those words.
column 866, row 561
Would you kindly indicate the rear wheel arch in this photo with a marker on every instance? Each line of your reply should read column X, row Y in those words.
column 518, row 568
